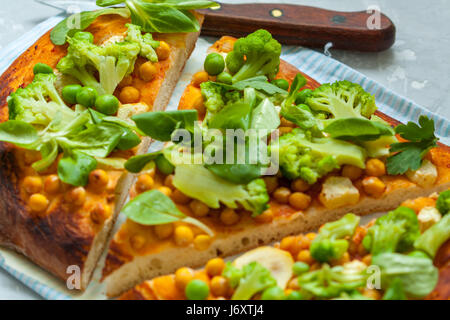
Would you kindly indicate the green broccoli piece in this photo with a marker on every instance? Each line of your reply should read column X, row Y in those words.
column 255, row 278
column 394, row 232
column 443, row 202
column 146, row 42
column 258, row 197
column 329, row 243
column 312, row 158
column 255, row 55
column 327, row 282
column 233, row 274
column 39, row 103
column 433, row 238
column 112, row 62
column 342, row 99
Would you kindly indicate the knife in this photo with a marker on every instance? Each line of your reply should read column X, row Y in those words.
column 290, row 24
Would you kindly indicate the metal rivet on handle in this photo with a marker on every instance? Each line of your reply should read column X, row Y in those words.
column 276, row 13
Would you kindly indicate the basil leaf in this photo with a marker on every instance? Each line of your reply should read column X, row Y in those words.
column 155, row 208
column 110, row 163
column 128, row 140
column 137, row 163
column 49, row 152
column 301, row 115
column 160, row 125
column 80, row 21
column 358, row 129
column 234, row 116
column 259, row 83
column 74, row 168
column 265, row 116
column 107, row 3
column 18, row 132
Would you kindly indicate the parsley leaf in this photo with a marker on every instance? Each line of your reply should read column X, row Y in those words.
column 409, row 155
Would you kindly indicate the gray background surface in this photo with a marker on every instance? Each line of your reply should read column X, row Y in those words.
column 416, row 67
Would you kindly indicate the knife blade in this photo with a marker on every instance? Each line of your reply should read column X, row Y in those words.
column 70, row 5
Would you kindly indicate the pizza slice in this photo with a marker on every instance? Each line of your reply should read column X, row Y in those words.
column 409, row 247
column 69, row 134
column 337, row 154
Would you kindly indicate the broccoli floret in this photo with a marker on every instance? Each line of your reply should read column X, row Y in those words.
column 112, row 62
column 433, row 238
column 232, row 274
column 255, row 278
column 329, row 243
column 443, row 202
column 327, row 282
column 213, row 96
column 146, row 42
column 342, row 99
column 39, row 103
column 255, row 55
column 312, row 158
column 258, row 197
column 394, row 232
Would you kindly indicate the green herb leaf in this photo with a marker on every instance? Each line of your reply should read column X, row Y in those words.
column 155, row 208
column 49, row 152
column 18, row 132
column 358, row 129
column 234, row 116
column 265, row 116
column 298, row 83
column 137, row 163
column 107, row 3
column 74, row 168
column 160, row 125
column 259, row 83
column 301, row 115
column 409, row 155
column 80, row 21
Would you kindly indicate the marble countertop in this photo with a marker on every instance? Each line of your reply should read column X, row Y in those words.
column 416, row 67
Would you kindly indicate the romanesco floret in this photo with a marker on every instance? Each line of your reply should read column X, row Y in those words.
column 258, row 197
column 39, row 103
column 255, row 55
column 342, row 99
column 394, row 232
column 309, row 158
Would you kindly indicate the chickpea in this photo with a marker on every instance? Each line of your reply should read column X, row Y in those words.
column 299, row 200
column 300, row 185
column 311, row 235
column 198, row 208
column 375, row 168
column 144, row 183
column 219, row 286
column 126, row 82
column 32, row 184
column 285, row 130
column 265, row 217
column 98, row 180
column 165, row 190
column 199, row 105
column 286, row 243
column 373, row 186
column 372, row 293
column 282, row 195
column 229, row 217
column 215, row 266
column 293, row 284
column 351, row 172
column 367, row 259
column 52, row 184
column 77, row 196
column 100, row 213
column 202, row 242
column 163, row 231
column 342, row 260
column 148, row 71
column 163, row 51
column 271, row 183
column 183, row 236
column 168, row 181
column 305, row 256
column 286, row 123
column 199, row 78
column 183, row 276
column 418, row 204
column 129, row 95
column 137, row 242
column 179, row 197
column 38, row 202
column 300, row 243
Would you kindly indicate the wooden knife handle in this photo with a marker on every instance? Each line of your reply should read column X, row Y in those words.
column 302, row 25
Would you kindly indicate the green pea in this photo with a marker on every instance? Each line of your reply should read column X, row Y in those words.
column 214, row 64
column 300, row 267
column 128, row 140
column 419, row 254
column 42, row 68
column 295, row 295
column 107, row 104
column 69, row 93
column 82, row 35
column 197, row 290
column 273, row 293
column 281, row 83
column 225, row 77
column 163, row 165
column 302, row 96
column 87, row 96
